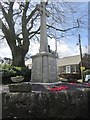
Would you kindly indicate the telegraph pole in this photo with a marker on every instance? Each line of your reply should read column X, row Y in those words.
column 81, row 64
column 80, row 48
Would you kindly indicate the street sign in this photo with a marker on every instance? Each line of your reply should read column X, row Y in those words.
column 82, row 68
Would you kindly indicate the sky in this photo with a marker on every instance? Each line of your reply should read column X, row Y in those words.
column 65, row 47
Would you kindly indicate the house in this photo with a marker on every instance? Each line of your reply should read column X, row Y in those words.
column 5, row 60
column 70, row 67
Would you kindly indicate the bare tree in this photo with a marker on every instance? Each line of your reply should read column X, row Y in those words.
column 18, row 36
column 20, row 25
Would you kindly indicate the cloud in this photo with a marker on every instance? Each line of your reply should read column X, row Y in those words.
column 16, row 5
column 51, row 42
column 63, row 49
column 5, row 50
column 34, row 48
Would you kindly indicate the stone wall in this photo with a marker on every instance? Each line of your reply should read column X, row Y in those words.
column 58, row 104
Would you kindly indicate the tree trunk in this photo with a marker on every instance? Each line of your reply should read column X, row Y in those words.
column 18, row 56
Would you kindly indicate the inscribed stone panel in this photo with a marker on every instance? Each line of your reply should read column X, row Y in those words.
column 52, row 68
column 45, row 68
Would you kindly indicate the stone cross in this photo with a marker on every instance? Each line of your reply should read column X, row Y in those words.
column 44, row 66
column 43, row 29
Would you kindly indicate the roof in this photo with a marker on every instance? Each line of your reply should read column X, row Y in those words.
column 71, row 60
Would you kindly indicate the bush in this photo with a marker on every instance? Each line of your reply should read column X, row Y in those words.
column 5, row 66
column 12, row 71
column 8, row 73
column 22, row 71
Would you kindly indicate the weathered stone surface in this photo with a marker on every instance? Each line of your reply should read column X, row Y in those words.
column 60, row 104
column 39, row 87
column 88, row 93
column 20, row 87
column 44, row 69
column 0, row 105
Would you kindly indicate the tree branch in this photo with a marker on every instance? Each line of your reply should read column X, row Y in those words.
column 8, row 36
column 34, row 32
column 31, row 14
column 25, row 33
column 49, row 26
column 4, row 13
column 32, row 21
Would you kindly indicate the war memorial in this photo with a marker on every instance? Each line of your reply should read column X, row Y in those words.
column 44, row 96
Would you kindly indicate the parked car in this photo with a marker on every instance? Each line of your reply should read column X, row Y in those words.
column 87, row 78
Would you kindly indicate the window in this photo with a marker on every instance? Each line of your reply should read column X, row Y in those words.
column 73, row 68
column 68, row 69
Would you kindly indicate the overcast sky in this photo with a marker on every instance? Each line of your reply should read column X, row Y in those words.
column 65, row 47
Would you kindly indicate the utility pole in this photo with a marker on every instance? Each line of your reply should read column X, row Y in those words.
column 80, row 48
column 81, row 64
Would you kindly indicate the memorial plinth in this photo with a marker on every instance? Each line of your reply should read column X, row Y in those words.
column 44, row 68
